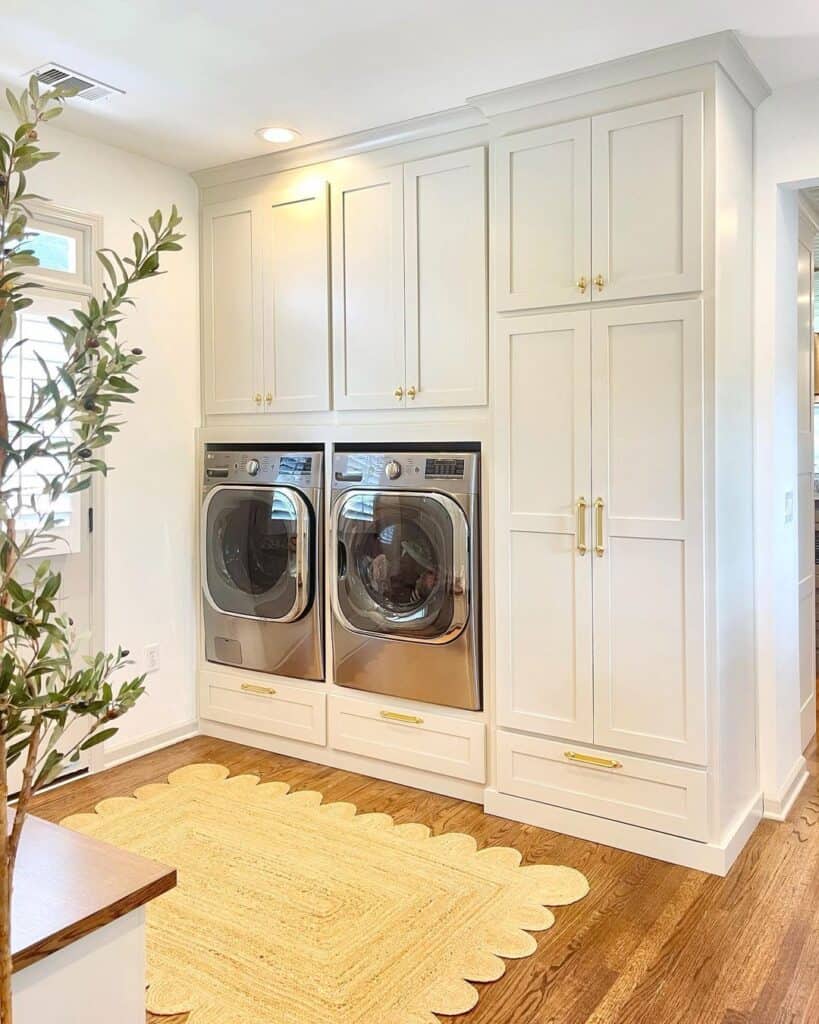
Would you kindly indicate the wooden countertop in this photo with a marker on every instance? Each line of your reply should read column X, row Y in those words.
column 66, row 885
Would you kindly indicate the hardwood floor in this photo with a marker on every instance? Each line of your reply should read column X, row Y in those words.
column 651, row 943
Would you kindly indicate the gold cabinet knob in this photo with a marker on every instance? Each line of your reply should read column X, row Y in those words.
column 411, row 392
column 399, row 393
column 268, row 397
column 599, row 282
column 257, row 398
column 582, row 284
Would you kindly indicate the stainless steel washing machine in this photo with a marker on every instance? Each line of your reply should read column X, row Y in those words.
column 262, row 543
column 405, row 574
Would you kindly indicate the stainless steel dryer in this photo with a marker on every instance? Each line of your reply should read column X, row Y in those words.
column 405, row 574
column 262, row 558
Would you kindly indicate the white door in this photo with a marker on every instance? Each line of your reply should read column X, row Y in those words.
column 446, row 283
column 647, row 530
column 368, row 291
column 647, row 199
column 70, row 551
column 297, row 299
column 232, row 321
column 805, row 512
column 544, row 604
column 543, row 217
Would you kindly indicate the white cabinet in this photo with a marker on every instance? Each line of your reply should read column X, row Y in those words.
column 445, row 286
column 232, row 321
column 543, row 216
column 600, row 498
column 368, row 290
column 410, row 284
column 266, row 318
column 544, row 472
column 607, row 207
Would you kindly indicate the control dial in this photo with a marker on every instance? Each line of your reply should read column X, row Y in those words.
column 252, row 467
column 393, row 470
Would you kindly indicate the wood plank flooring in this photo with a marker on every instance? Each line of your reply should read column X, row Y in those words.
column 651, row 944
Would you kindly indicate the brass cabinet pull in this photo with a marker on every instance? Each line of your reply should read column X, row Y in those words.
column 268, row 397
column 257, row 398
column 411, row 392
column 583, row 284
column 582, row 505
column 599, row 282
column 599, row 762
column 395, row 716
column 399, row 393
column 599, row 550
column 268, row 691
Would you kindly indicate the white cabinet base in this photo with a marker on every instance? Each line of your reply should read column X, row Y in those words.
column 715, row 858
column 95, row 980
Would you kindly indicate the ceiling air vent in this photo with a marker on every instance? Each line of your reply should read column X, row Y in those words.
column 87, row 88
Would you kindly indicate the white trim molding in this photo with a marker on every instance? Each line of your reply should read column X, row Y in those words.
column 778, row 807
column 149, row 744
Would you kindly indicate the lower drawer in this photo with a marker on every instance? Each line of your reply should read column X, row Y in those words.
column 283, row 709
column 434, row 742
column 638, row 791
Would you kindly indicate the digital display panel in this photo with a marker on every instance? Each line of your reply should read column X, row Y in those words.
column 295, row 465
column 438, row 468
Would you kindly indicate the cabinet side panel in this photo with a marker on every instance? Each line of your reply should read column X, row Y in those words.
column 733, row 359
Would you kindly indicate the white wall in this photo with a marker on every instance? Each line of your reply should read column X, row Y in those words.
column 786, row 157
column 150, row 497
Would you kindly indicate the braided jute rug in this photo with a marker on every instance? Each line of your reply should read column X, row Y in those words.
column 292, row 911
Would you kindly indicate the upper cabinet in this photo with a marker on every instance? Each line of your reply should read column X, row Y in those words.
column 445, row 288
column 410, row 284
column 368, row 290
column 608, row 207
column 266, row 317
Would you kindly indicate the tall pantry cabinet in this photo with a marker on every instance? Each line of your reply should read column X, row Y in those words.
column 623, row 503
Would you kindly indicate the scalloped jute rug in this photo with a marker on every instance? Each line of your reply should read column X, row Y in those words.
column 292, row 911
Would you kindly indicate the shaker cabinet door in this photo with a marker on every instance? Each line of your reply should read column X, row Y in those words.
column 543, row 554
column 232, row 320
column 368, row 291
column 543, row 217
column 446, row 279
column 647, row 199
column 647, row 530
column 297, row 299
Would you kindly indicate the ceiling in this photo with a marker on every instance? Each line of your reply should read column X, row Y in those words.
column 201, row 75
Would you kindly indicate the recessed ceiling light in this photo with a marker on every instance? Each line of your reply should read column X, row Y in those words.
column 275, row 133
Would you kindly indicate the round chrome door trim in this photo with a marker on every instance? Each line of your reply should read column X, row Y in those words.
column 303, row 579
column 460, row 565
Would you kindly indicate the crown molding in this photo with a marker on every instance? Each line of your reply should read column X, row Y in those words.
column 425, row 127
column 723, row 48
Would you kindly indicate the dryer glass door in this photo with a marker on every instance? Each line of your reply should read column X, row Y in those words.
column 401, row 565
column 256, row 558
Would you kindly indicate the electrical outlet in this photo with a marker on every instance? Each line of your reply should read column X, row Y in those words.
column 152, row 658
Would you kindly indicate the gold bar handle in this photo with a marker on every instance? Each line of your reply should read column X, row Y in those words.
column 268, row 691
column 395, row 716
column 583, row 284
column 582, row 505
column 599, row 282
column 598, row 762
column 599, row 549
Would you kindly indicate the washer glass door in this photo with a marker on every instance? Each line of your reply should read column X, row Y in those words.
column 401, row 565
column 257, row 552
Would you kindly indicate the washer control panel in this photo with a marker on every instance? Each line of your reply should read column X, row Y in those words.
column 262, row 467
column 408, row 470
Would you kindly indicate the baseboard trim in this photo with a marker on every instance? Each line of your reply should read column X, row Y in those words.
column 778, row 807
column 149, row 744
column 714, row 858
column 416, row 778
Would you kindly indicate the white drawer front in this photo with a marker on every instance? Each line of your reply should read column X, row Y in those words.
column 420, row 739
column 664, row 797
column 282, row 709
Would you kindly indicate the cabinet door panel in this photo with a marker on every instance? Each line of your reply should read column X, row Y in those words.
column 446, row 286
column 543, row 216
column 297, row 300
column 647, row 437
column 368, row 291
column 232, row 307
column 647, row 199
column 544, row 600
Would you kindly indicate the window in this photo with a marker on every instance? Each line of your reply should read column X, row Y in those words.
column 54, row 251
